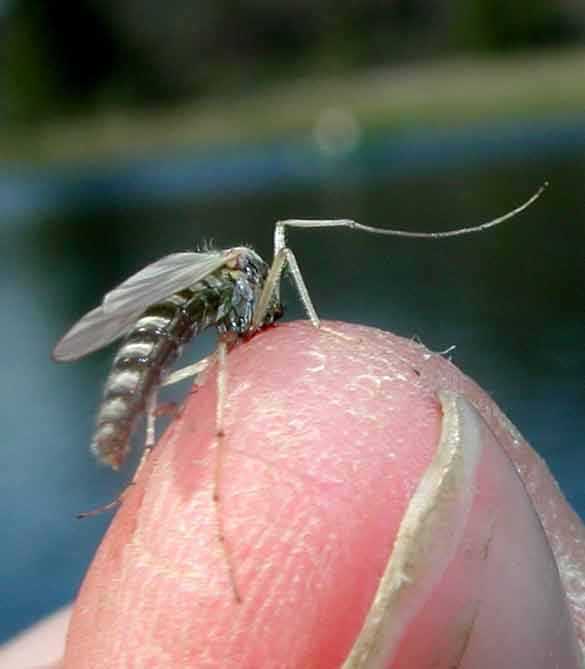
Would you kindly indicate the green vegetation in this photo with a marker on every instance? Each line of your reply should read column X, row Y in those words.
column 391, row 98
column 89, row 80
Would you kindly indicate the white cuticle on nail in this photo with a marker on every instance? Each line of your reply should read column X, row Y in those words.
column 428, row 537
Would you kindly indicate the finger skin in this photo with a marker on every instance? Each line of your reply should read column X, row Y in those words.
column 326, row 440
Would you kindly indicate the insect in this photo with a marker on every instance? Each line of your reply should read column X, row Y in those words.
column 161, row 307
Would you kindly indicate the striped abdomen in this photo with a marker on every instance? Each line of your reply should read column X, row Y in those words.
column 150, row 347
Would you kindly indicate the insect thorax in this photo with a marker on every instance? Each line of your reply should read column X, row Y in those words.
column 225, row 299
column 236, row 314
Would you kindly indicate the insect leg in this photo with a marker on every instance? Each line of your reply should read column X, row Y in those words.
column 284, row 256
column 299, row 282
column 150, row 442
column 280, row 238
column 102, row 509
column 169, row 409
column 271, row 287
column 189, row 371
column 222, row 381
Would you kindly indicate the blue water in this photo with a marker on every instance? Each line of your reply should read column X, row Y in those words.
column 511, row 300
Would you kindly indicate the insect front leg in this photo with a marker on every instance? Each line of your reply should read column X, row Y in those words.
column 280, row 228
column 282, row 258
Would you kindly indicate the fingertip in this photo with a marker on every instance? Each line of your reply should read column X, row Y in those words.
column 326, row 440
column 472, row 581
column 318, row 469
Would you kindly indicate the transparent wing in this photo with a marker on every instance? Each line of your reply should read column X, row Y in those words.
column 95, row 330
column 161, row 279
column 122, row 306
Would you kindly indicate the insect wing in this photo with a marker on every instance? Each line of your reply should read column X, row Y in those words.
column 95, row 330
column 161, row 279
column 122, row 306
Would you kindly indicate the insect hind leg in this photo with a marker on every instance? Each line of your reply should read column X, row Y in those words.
column 102, row 509
column 150, row 441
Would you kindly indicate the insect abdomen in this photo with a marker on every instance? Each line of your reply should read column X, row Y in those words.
column 150, row 347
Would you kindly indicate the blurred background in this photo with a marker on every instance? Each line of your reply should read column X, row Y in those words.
column 131, row 130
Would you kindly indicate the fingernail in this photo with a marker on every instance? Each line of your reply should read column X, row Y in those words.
column 471, row 581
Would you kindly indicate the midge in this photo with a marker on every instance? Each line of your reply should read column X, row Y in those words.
column 161, row 307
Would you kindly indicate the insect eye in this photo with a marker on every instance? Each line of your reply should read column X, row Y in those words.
column 251, row 272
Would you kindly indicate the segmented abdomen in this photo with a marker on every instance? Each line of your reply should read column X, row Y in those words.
column 150, row 347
